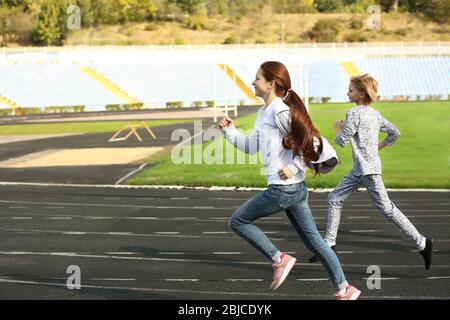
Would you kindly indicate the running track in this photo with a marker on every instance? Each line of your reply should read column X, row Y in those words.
column 144, row 243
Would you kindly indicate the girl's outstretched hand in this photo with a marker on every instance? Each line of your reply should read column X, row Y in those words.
column 338, row 125
column 226, row 123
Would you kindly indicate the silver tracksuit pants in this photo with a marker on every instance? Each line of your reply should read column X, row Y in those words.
column 377, row 192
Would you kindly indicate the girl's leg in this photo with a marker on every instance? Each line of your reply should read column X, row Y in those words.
column 263, row 204
column 375, row 187
column 301, row 218
column 336, row 198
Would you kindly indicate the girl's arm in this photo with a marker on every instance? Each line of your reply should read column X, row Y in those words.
column 247, row 144
column 392, row 132
column 349, row 129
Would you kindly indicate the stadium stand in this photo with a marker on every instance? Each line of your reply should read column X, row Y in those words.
column 158, row 83
column 52, row 85
column 100, row 82
column 415, row 78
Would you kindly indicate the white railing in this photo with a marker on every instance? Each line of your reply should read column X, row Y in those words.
column 366, row 48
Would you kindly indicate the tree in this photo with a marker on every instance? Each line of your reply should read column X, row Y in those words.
column 389, row 5
column 438, row 10
column 188, row 6
column 48, row 29
column 13, row 3
column 87, row 15
column 325, row 30
column 328, row 5
column 435, row 10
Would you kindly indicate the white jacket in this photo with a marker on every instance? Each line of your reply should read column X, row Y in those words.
column 271, row 125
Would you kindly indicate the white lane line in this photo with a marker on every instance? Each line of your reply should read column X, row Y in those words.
column 217, row 232
column 58, row 218
column 54, row 207
column 111, row 279
column 200, row 220
column 113, row 257
column 381, row 278
column 138, row 218
column 209, row 293
column 118, row 205
column 361, row 217
column 142, row 166
column 181, row 280
column 180, row 198
column 365, row 231
column 104, row 233
column 225, row 199
column 116, row 233
column 172, row 253
column 118, row 217
column 409, row 210
column 121, row 252
column 74, row 233
column 213, row 188
column 166, row 291
column 16, row 207
column 17, row 218
column 406, row 297
column 43, row 231
column 437, row 278
column 430, row 216
column 243, row 280
column 365, row 251
column 169, row 207
column 167, row 232
column 202, row 253
column 225, row 253
column 313, row 280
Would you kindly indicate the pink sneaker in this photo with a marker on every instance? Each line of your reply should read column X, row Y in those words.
column 281, row 270
column 351, row 293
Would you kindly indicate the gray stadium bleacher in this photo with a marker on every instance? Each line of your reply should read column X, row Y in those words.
column 53, row 85
column 169, row 82
column 42, row 85
column 413, row 77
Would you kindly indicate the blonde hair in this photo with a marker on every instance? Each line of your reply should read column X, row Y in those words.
column 367, row 84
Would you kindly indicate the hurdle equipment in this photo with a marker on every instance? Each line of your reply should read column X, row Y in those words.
column 133, row 131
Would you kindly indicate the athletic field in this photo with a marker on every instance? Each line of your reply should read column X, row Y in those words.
column 419, row 159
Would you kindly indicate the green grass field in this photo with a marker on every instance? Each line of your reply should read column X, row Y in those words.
column 419, row 159
column 78, row 127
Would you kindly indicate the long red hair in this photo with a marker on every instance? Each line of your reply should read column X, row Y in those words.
column 303, row 131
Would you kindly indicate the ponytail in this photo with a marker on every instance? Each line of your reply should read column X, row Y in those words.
column 303, row 131
column 301, row 138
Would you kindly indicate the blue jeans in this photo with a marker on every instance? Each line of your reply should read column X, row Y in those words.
column 293, row 199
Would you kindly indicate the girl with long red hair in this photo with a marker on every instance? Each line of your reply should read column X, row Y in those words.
column 289, row 143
